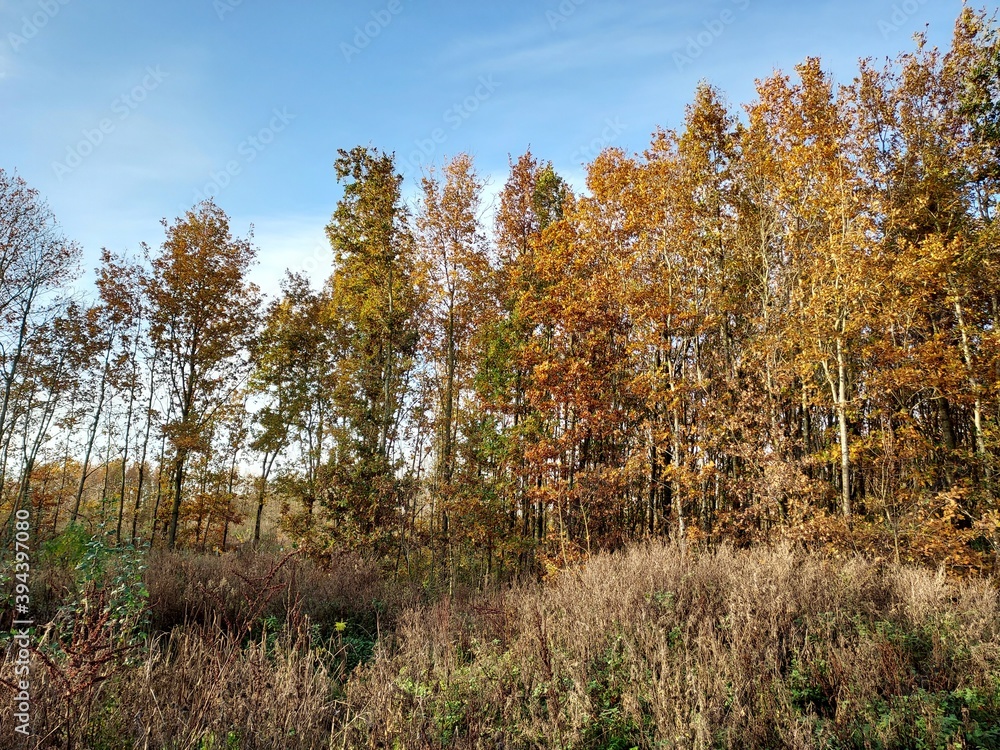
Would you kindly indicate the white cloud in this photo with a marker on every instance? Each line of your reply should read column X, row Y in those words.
column 289, row 243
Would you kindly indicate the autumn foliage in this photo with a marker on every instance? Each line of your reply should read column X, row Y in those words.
column 778, row 322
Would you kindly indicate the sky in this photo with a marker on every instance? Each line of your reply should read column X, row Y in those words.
column 122, row 114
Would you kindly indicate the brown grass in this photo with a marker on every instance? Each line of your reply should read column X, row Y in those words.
column 662, row 648
column 656, row 647
column 187, row 588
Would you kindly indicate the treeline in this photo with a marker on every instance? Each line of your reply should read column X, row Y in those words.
column 777, row 323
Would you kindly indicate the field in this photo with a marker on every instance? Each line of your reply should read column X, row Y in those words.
column 647, row 411
column 657, row 647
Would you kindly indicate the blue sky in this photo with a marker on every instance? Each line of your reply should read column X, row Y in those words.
column 123, row 113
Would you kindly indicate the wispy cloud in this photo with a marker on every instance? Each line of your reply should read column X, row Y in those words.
column 594, row 37
column 295, row 243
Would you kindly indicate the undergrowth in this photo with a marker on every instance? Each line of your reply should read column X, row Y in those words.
column 657, row 647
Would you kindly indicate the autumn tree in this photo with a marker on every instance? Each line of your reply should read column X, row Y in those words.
column 36, row 264
column 828, row 240
column 532, row 199
column 452, row 249
column 294, row 374
column 52, row 365
column 203, row 315
column 106, row 340
column 375, row 303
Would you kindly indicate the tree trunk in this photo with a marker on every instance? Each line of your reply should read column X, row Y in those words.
column 977, row 407
column 142, row 461
column 845, row 453
column 175, row 508
column 678, row 504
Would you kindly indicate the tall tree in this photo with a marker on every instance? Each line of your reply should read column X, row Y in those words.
column 375, row 307
column 452, row 247
column 36, row 262
column 203, row 314
column 827, row 238
column 106, row 339
column 533, row 198
column 294, row 373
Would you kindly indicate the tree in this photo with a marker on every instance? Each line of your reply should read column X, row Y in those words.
column 578, row 356
column 51, row 366
column 36, row 262
column 827, row 238
column 203, row 316
column 106, row 338
column 532, row 199
column 375, row 306
column 452, row 248
column 294, row 372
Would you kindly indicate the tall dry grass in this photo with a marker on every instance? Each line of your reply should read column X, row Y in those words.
column 187, row 588
column 653, row 648
column 662, row 648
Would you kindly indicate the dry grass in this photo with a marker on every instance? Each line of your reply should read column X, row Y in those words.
column 658, row 648
column 188, row 588
column 653, row 648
